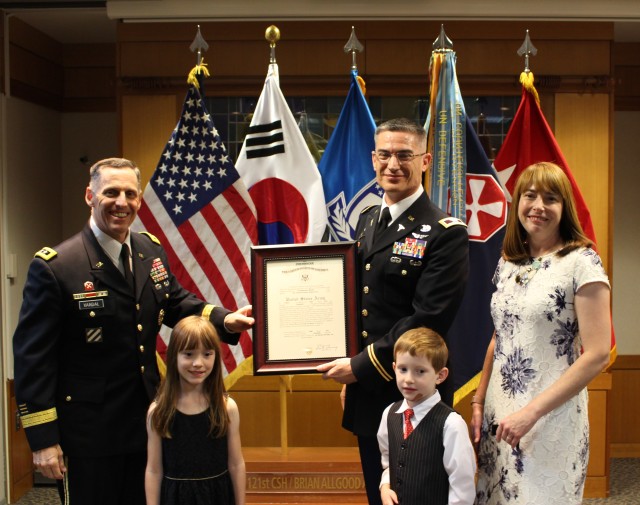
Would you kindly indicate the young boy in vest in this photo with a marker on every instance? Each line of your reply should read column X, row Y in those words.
column 427, row 456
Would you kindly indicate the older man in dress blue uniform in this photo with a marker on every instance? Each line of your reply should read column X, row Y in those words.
column 84, row 347
column 413, row 268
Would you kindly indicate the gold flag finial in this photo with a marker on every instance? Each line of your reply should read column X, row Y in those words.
column 272, row 34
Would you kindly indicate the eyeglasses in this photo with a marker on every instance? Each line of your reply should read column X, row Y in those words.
column 402, row 156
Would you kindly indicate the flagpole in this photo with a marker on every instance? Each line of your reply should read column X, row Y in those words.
column 195, row 76
column 527, row 49
column 198, row 45
column 352, row 46
column 272, row 35
column 526, row 77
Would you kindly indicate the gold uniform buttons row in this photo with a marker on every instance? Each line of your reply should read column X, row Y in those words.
column 139, row 327
column 141, row 348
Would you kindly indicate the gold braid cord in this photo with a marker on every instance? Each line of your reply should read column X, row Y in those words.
column 526, row 79
column 195, row 71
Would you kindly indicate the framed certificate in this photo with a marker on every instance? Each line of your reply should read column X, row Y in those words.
column 304, row 304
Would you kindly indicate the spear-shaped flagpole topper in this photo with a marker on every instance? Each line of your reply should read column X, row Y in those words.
column 527, row 48
column 442, row 43
column 272, row 34
column 198, row 45
column 353, row 45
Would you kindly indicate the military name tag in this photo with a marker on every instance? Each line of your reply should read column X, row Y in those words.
column 91, row 304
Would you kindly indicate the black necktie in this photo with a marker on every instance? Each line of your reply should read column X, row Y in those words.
column 385, row 219
column 128, row 275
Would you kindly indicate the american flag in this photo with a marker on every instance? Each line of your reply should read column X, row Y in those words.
column 199, row 208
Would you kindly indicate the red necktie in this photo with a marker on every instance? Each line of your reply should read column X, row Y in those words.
column 408, row 427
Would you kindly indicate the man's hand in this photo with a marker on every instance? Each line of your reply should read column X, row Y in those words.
column 240, row 320
column 50, row 462
column 339, row 370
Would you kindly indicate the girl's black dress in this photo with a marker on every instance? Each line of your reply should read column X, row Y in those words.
column 195, row 464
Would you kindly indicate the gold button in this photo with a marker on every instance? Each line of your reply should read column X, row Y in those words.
column 366, row 290
column 137, row 306
column 141, row 348
column 166, row 295
column 68, row 398
column 404, row 272
column 92, row 314
column 367, row 267
column 139, row 327
column 142, row 368
column 365, row 334
column 365, row 312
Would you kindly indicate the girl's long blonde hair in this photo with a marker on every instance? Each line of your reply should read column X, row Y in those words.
column 191, row 333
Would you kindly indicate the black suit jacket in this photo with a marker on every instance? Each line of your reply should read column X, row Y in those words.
column 420, row 284
column 85, row 347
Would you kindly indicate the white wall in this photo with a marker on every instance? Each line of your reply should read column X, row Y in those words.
column 31, row 208
column 32, row 199
column 626, row 232
column 93, row 136
column 43, row 202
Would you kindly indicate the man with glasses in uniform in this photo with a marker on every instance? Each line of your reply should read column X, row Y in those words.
column 413, row 266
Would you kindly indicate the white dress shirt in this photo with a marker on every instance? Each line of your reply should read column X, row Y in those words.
column 459, row 459
column 110, row 245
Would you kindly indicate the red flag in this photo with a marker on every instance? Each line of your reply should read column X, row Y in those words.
column 530, row 140
column 198, row 207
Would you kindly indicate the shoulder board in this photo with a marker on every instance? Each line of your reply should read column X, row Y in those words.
column 151, row 236
column 46, row 253
column 368, row 208
column 447, row 222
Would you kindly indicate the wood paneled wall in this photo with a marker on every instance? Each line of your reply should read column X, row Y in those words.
column 394, row 62
column 583, row 130
column 314, row 417
column 578, row 69
column 626, row 62
column 68, row 78
column 624, row 432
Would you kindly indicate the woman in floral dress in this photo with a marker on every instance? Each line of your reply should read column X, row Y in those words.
column 552, row 337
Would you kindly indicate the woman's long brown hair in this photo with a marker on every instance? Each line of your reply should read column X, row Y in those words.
column 549, row 177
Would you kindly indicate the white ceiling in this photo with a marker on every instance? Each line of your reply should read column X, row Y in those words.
column 87, row 23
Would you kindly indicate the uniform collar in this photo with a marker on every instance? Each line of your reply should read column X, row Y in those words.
column 109, row 245
column 398, row 208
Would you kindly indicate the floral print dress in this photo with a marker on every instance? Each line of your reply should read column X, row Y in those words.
column 537, row 339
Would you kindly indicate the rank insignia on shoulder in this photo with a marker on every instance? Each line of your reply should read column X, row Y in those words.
column 447, row 222
column 46, row 253
column 151, row 236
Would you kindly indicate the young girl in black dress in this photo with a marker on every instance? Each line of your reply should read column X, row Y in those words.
column 194, row 455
